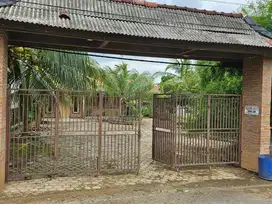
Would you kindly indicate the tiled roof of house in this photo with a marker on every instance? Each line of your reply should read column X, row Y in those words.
column 137, row 18
column 155, row 5
column 156, row 89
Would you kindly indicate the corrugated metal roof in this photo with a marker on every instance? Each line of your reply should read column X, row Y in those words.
column 135, row 20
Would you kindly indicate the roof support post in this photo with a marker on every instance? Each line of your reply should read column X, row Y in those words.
column 256, row 102
column 3, row 93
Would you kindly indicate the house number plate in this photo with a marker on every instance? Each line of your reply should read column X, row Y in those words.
column 252, row 110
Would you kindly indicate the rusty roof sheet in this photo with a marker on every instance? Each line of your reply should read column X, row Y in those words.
column 133, row 18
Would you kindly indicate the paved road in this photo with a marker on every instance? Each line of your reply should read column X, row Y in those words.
column 200, row 196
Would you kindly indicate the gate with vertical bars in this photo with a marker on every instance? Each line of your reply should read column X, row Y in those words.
column 68, row 133
column 191, row 130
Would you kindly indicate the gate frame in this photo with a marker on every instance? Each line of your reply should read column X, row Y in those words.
column 136, row 125
column 174, row 164
column 8, row 107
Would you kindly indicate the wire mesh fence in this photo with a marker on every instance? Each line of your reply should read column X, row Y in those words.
column 71, row 133
column 191, row 130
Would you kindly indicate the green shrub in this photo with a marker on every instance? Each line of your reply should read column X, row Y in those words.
column 147, row 111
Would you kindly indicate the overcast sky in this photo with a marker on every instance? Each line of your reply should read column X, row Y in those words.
column 200, row 4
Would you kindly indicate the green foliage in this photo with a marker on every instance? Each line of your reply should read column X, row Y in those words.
column 147, row 111
column 28, row 147
column 33, row 69
column 125, row 83
column 261, row 12
column 212, row 78
column 218, row 79
column 39, row 69
column 121, row 81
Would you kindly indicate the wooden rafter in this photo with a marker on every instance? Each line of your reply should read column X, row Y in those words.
column 104, row 44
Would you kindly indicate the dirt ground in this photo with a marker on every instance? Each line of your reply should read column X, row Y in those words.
column 199, row 197
column 248, row 191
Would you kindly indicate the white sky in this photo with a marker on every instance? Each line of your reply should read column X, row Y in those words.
column 152, row 67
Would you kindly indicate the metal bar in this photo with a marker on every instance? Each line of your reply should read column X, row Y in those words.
column 153, row 126
column 174, row 136
column 7, row 135
column 139, row 133
column 208, row 128
column 100, row 132
column 200, row 94
column 183, row 127
column 178, row 133
column 208, row 164
column 57, row 125
column 240, row 112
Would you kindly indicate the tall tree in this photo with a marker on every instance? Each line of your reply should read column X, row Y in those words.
column 122, row 81
column 217, row 78
column 175, row 69
column 261, row 12
column 211, row 78
column 38, row 69
column 172, row 77
column 125, row 83
column 33, row 70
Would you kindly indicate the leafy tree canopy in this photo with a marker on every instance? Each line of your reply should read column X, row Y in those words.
column 213, row 78
column 261, row 12
column 122, row 81
column 39, row 69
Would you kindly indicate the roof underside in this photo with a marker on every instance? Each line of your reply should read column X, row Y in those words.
column 111, row 17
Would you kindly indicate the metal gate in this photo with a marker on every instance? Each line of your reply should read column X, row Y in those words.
column 71, row 133
column 191, row 130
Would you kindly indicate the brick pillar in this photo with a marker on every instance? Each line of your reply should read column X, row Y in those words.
column 255, row 139
column 3, row 86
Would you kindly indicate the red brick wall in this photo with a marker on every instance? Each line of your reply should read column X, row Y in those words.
column 3, row 86
column 255, row 140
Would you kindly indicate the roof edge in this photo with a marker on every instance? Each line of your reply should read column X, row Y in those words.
column 258, row 28
column 174, row 7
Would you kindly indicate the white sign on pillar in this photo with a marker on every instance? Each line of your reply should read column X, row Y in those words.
column 252, row 110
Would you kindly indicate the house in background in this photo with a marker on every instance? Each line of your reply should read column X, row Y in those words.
column 81, row 106
column 156, row 89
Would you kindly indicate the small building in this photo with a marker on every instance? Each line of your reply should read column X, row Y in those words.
column 85, row 105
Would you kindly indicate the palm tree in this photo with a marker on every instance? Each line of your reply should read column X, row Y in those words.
column 174, row 74
column 121, row 81
column 175, row 69
column 33, row 70
column 126, row 84
column 38, row 69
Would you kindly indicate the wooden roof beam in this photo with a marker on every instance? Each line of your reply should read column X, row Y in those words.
column 103, row 44
column 206, row 55
column 186, row 52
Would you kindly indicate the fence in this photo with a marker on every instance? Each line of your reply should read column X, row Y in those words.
column 68, row 133
column 191, row 130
